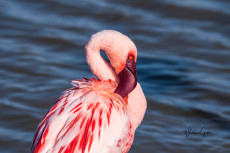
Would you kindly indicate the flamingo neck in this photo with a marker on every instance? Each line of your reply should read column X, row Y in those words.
column 97, row 64
column 137, row 106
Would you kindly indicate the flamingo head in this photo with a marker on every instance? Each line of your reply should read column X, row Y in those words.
column 128, row 77
column 122, row 54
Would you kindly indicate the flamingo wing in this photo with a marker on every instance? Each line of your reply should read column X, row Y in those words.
column 88, row 118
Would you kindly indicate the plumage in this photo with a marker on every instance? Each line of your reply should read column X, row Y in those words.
column 90, row 117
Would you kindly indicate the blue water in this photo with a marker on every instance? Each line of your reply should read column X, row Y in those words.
column 183, row 66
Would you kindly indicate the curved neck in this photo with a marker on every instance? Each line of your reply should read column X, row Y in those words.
column 98, row 65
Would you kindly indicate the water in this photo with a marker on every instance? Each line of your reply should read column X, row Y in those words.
column 183, row 66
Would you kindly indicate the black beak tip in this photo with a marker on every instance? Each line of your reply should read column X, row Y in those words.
column 128, row 81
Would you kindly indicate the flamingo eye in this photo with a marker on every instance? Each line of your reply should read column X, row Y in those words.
column 130, row 57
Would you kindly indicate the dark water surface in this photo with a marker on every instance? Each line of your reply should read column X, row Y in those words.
column 183, row 66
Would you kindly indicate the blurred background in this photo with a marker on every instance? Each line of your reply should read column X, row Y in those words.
column 183, row 66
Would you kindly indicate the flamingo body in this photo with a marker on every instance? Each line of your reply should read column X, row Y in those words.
column 91, row 118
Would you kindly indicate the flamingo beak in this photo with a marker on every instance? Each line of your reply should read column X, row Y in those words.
column 128, row 79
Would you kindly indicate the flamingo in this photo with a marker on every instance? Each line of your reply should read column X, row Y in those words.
column 97, row 115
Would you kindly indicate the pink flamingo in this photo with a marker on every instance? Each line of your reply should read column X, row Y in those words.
column 97, row 115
